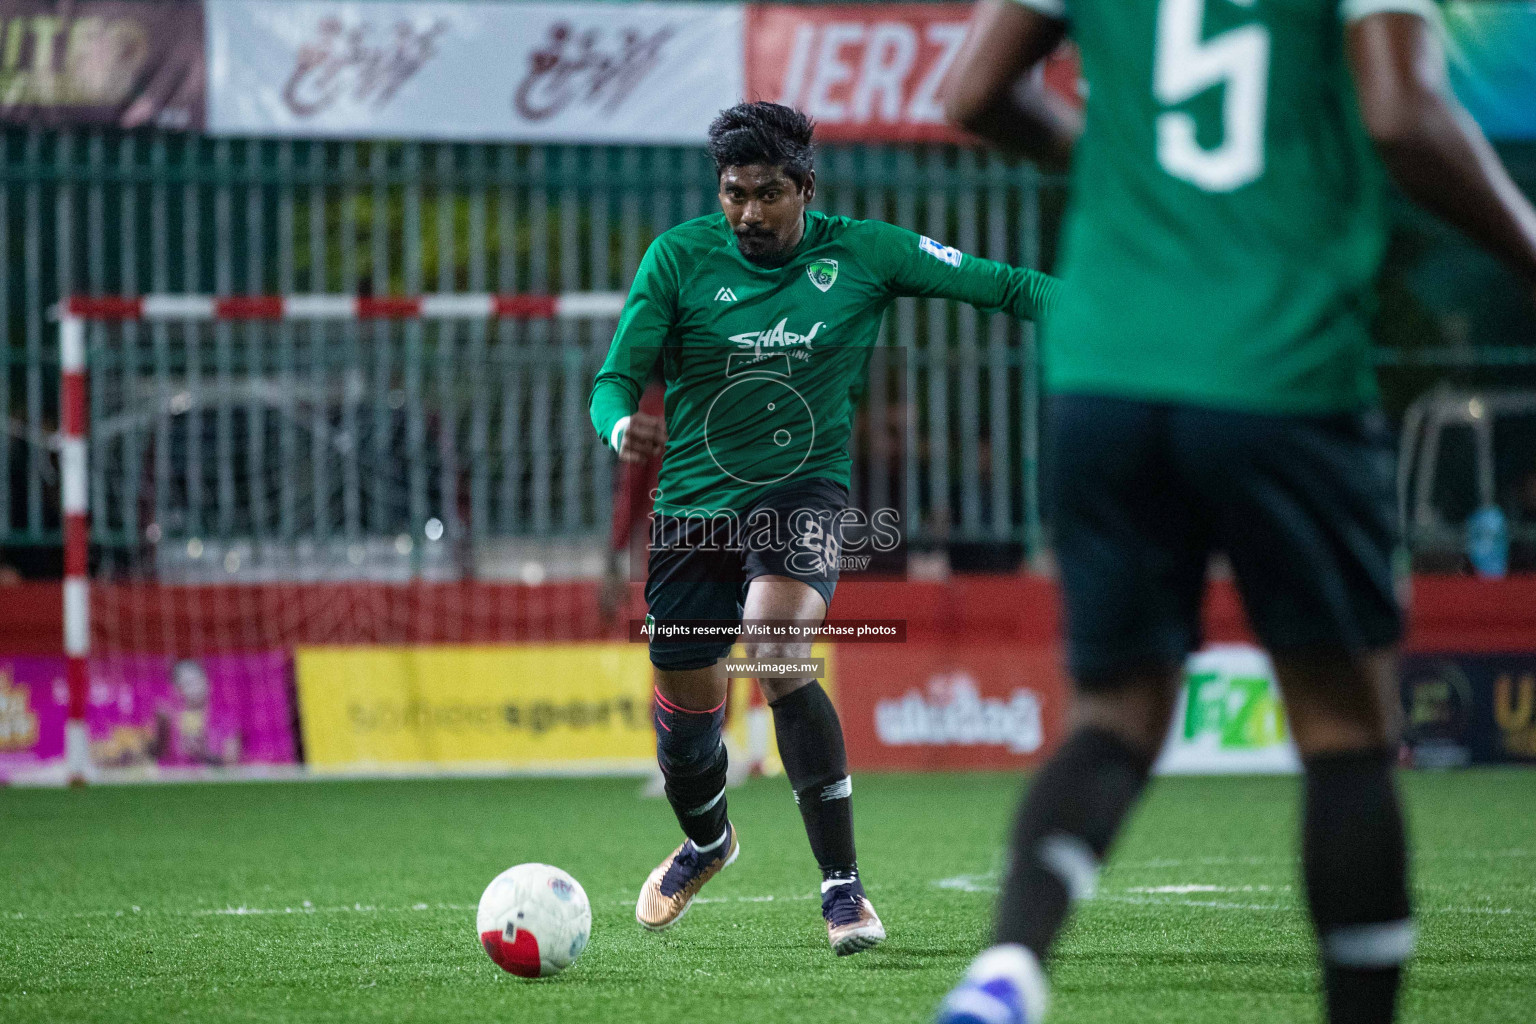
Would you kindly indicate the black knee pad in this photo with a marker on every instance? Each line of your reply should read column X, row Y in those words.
column 687, row 741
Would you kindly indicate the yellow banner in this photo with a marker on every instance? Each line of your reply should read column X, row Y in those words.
column 532, row 707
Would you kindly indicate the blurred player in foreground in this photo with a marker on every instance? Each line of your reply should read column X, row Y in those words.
column 763, row 317
column 1213, row 390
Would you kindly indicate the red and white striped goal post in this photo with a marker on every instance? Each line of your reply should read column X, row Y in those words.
column 77, row 311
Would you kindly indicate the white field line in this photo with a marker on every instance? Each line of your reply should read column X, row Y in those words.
column 307, row 907
column 967, row 883
column 1201, row 862
column 241, row 911
column 54, row 776
column 1153, row 890
column 1149, row 901
column 1216, row 862
column 1147, row 895
column 1138, row 895
column 1159, row 895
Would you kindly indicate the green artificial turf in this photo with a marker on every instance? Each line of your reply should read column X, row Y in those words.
column 354, row 901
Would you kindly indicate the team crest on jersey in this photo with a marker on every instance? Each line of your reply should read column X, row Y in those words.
column 939, row 251
column 822, row 273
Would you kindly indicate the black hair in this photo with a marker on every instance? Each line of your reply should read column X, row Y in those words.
column 763, row 133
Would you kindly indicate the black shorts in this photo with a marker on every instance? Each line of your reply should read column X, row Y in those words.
column 1144, row 493
column 700, row 566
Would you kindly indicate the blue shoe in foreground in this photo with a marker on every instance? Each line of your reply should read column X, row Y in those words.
column 852, row 924
column 1005, row 985
column 670, row 889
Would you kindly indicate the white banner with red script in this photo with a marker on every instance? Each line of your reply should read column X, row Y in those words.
column 869, row 72
column 596, row 73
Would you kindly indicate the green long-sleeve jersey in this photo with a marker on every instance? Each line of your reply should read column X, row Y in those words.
column 759, row 362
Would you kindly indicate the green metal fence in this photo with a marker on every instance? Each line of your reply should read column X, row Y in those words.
column 949, row 431
column 951, row 438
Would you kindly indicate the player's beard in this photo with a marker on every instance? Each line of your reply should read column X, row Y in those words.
column 762, row 247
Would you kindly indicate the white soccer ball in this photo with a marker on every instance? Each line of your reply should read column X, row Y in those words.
column 534, row 920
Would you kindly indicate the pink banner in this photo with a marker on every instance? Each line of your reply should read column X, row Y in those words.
column 146, row 710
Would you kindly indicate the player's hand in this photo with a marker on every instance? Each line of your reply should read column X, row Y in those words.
column 645, row 437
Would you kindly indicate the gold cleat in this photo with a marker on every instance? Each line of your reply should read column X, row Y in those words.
column 667, row 893
column 852, row 924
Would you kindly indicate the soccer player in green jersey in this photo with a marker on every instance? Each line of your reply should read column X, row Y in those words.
column 762, row 317
column 1212, row 390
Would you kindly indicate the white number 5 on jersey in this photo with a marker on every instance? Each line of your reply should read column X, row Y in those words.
column 1187, row 65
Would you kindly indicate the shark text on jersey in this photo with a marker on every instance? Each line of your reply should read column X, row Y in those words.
column 776, row 336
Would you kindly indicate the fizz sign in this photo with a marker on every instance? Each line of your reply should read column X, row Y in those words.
column 1229, row 717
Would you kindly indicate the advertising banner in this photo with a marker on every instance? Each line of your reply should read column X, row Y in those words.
column 129, row 64
column 949, row 706
column 577, row 707
column 595, row 73
column 867, row 72
column 147, row 713
column 1229, row 718
column 1464, row 709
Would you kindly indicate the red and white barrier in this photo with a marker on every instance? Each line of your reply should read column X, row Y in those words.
column 471, row 306
column 77, row 311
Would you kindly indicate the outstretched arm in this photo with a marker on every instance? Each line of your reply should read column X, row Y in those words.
column 989, row 92
column 1432, row 148
column 917, row 265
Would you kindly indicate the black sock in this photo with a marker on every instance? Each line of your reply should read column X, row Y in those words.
column 811, row 747
column 693, row 763
column 1069, row 817
column 1355, row 861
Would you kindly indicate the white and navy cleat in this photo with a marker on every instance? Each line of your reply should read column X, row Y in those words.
column 1005, row 985
column 852, row 924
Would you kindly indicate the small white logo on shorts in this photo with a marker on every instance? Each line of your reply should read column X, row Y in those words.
column 816, row 547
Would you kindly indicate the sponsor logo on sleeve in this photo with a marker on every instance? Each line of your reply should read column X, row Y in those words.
column 939, row 251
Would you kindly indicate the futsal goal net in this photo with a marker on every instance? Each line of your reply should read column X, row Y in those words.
column 245, row 476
